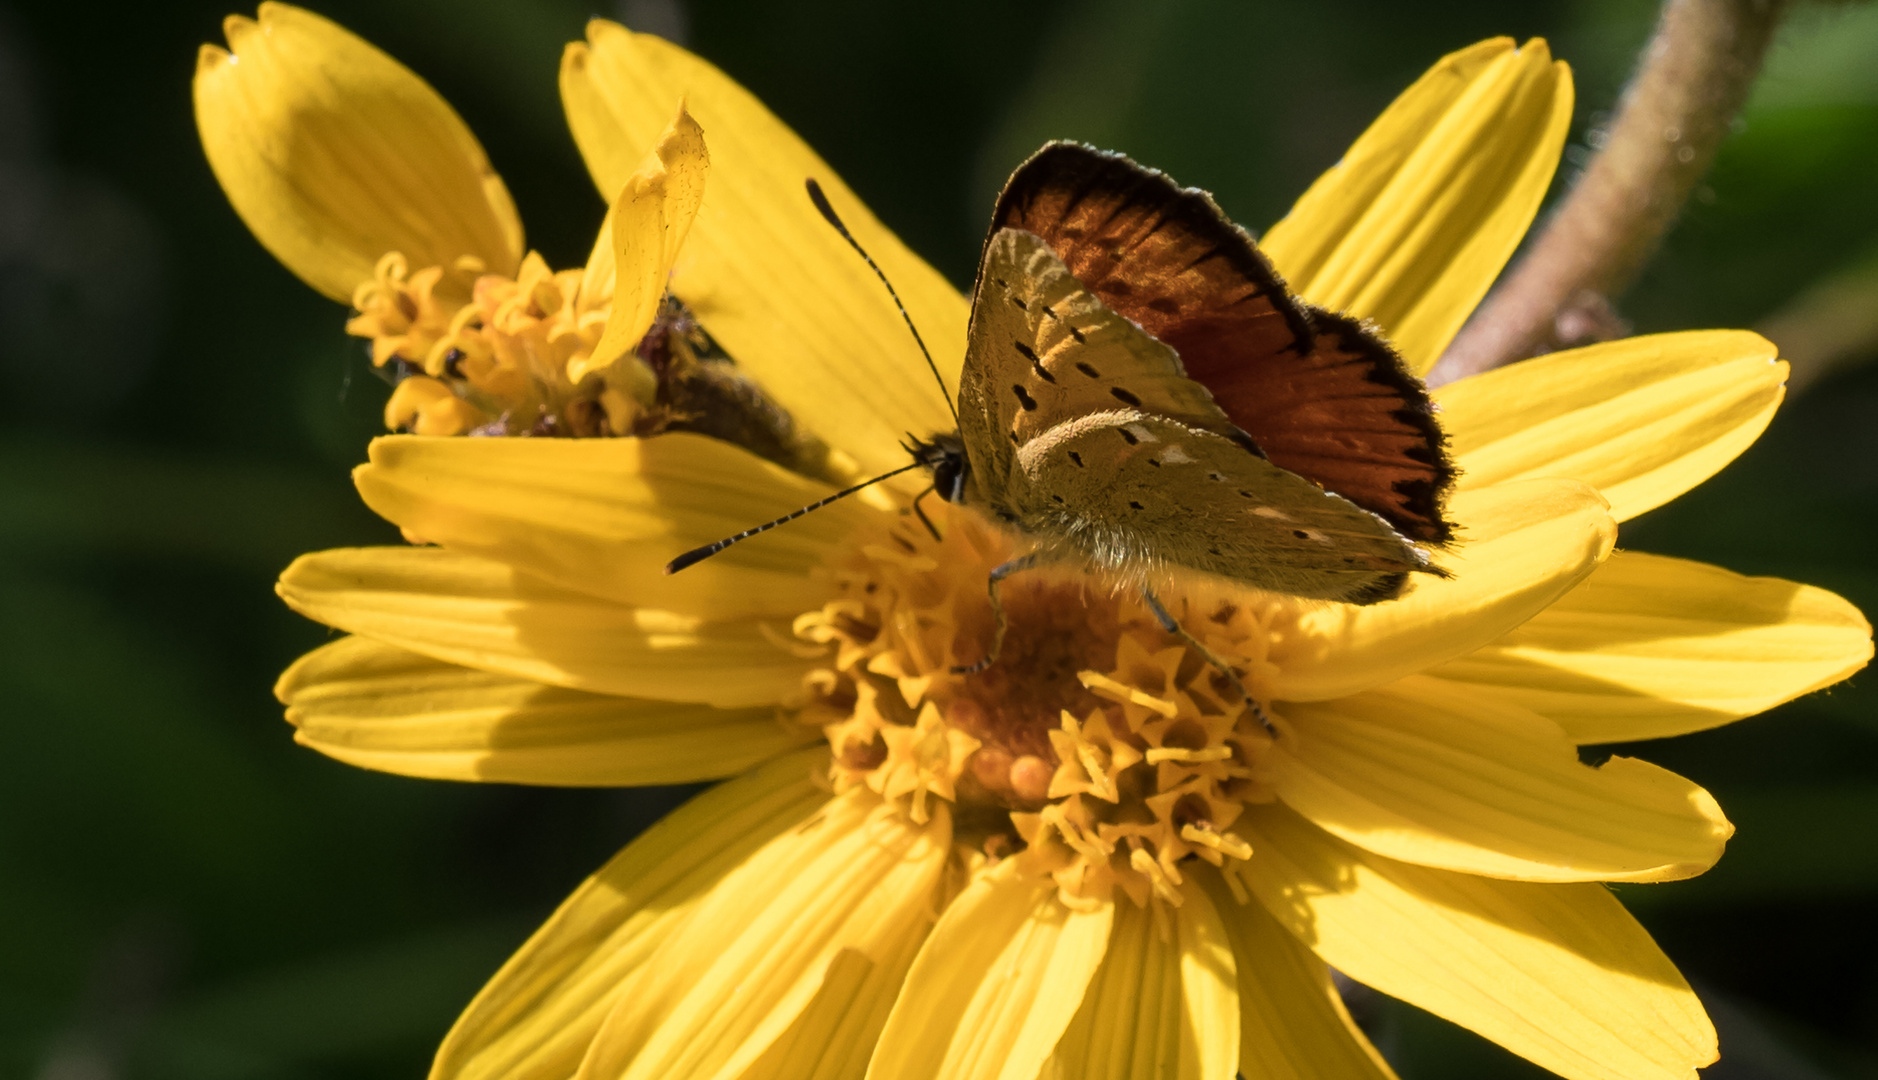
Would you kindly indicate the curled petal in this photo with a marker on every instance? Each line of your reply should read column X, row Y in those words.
column 767, row 277
column 648, row 224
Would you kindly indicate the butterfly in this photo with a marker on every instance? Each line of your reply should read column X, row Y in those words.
column 1142, row 394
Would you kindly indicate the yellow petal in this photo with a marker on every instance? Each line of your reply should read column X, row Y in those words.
column 1162, row 1004
column 1642, row 420
column 856, row 884
column 481, row 614
column 1209, row 978
column 599, row 279
column 1293, row 1022
column 1559, row 974
column 535, row 1019
column 1523, row 546
column 1427, row 772
column 1651, row 646
column 650, row 219
column 770, row 280
column 996, row 984
column 381, row 707
column 1415, row 222
column 334, row 154
column 604, row 516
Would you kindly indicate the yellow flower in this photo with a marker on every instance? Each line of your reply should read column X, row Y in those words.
column 1087, row 859
column 365, row 183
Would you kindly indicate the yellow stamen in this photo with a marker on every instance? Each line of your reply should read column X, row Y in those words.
column 1094, row 747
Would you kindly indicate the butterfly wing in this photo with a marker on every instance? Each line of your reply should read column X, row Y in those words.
column 1082, row 429
column 1319, row 394
column 1135, row 493
column 1042, row 348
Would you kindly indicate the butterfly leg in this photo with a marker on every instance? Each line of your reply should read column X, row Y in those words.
column 998, row 574
column 1168, row 624
column 923, row 519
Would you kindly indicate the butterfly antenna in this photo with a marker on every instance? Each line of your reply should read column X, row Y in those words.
column 828, row 211
column 699, row 554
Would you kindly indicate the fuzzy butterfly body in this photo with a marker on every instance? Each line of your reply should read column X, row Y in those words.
column 1141, row 392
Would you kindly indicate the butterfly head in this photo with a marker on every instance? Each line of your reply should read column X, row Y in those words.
column 945, row 456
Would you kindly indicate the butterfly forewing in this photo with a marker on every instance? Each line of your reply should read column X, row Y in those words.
column 1084, row 432
column 1043, row 348
column 1320, row 395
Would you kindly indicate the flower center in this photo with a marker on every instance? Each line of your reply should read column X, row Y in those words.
column 471, row 353
column 477, row 353
column 1097, row 746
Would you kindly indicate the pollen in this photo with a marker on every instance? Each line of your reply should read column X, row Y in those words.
column 1097, row 748
column 504, row 350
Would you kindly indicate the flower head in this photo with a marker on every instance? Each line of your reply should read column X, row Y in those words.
column 1090, row 853
column 365, row 183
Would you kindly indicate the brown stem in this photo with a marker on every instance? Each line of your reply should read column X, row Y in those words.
column 1691, row 81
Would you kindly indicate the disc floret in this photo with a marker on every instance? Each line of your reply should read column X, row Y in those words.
column 1098, row 748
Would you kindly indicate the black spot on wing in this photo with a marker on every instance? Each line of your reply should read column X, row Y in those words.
column 1036, row 365
column 1023, row 398
column 1136, row 505
column 1077, row 458
column 1124, row 396
column 1128, row 436
column 1087, row 370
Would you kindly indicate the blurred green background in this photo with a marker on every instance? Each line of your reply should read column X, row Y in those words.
column 184, row 893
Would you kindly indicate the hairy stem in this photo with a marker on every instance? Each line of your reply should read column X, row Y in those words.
column 1690, row 82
